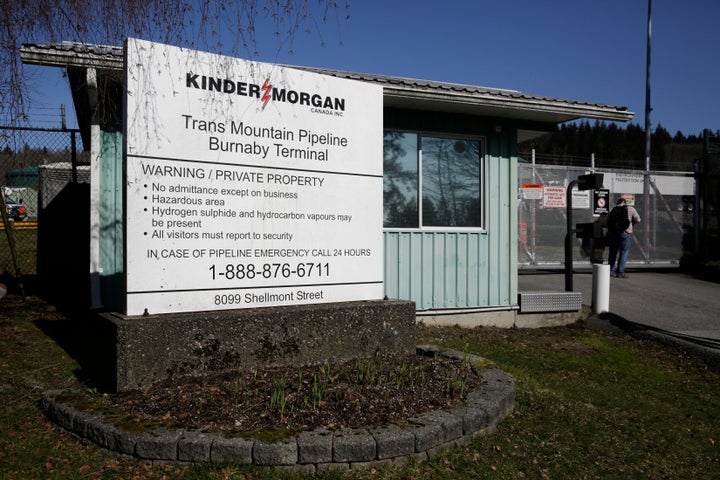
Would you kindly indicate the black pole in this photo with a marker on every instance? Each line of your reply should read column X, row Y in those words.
column 568, row 239
column 648, row 108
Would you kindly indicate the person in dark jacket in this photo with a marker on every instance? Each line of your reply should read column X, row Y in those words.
column 619, row 239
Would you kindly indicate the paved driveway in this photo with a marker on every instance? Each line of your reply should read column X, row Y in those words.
column 669, row 301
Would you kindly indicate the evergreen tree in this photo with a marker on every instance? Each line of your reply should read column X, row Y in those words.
column 615, row 146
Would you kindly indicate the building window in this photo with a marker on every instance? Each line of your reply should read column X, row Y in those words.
column 448, row 172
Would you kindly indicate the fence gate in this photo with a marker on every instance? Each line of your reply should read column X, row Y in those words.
column 662, row 239
column 40, row 170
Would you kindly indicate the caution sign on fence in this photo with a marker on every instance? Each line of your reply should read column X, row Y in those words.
column 554, row 197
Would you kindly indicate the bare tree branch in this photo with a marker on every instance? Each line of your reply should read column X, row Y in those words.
column 232, row 28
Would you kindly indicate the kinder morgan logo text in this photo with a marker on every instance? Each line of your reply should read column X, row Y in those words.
column 265, row 92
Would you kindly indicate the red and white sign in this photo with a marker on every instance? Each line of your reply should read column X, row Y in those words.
column 532, row 191
column 554, row 197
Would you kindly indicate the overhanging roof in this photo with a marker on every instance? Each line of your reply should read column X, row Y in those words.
column 492, row 102
column 399, row 92
column 72, row 54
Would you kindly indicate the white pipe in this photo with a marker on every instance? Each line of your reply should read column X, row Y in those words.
column 95, row 268
column 601, row 288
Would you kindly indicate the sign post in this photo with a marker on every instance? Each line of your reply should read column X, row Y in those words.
column 590, row 181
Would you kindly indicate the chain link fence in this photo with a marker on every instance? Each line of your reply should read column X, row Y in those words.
column 664, row 200
column 38, row 167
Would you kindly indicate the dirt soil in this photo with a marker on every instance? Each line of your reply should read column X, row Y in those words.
column 363, row 393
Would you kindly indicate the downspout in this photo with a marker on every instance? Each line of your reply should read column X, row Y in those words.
column 95, row 154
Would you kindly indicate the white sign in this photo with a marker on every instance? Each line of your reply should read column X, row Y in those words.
column 625, row 182
column 634, row 183
column 554, row 197
column 532, row 191
column 580, row 199
column 248, row 184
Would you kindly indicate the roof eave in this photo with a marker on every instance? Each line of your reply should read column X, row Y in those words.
column 543, row 110
column 69, row 58
column 414, row 94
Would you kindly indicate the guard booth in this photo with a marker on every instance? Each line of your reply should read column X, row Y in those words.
column 449, row 183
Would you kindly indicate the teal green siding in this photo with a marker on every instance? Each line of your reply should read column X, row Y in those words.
column 436, row 269
column 456, row 269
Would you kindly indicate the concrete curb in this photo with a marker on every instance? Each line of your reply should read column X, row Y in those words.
column 688, row 345
column 709, row 355
column 415, row 438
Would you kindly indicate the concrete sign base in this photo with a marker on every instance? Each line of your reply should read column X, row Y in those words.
column 149, row 349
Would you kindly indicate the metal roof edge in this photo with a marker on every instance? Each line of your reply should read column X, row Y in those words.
column 426, row 90
column 541, row 104
column 75, row 54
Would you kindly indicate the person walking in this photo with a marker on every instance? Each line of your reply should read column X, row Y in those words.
column 620, row 228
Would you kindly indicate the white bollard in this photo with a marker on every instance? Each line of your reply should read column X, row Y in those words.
column 600, row 288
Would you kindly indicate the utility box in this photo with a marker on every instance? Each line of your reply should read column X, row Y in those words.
column 589, row 230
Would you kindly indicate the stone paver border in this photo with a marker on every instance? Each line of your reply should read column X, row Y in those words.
column 416, row 438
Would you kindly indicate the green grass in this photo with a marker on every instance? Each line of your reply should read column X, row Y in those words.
column 26, row 251
column 590, row 405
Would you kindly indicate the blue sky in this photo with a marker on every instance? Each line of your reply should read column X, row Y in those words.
column 573, row 49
